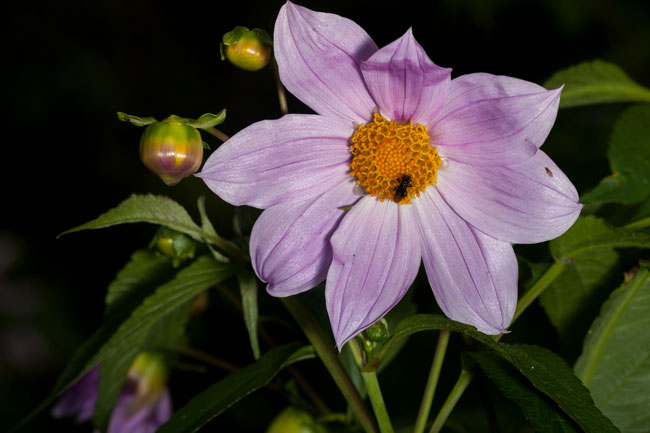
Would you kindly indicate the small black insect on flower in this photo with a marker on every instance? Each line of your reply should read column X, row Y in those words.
column 400, row 190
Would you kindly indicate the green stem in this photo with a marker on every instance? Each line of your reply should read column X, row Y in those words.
column 374, row 392
column 545, row 280
column 220, row 135
column 324, row 347
column 637, row 225
column 432, row 382
column 457, row 391
column 282, row 97
column 205, row 357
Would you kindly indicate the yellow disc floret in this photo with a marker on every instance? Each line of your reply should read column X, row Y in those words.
column 392, row 160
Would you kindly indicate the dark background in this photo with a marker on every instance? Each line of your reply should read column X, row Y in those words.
column 71, row 65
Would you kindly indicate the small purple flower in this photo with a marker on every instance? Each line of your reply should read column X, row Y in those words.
column 443, row 171
column 79, row 399
column 143, row 405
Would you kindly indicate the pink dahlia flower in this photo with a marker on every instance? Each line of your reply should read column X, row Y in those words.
column 434, row 169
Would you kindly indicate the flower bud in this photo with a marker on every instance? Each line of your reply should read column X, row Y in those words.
column 377, row 333
column 247, row 49
column 149, row 373
column 174, row 245
column 293, row 420
column 171, row 149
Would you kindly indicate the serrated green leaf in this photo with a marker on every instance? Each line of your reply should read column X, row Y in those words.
column 146, row 208
column 551, row 375
column 596, row 82
column 248, row 290
column 225, row 393
column 145, row 271
column 208, row 120
column 117, row 355
column 544, row 415
column 615, row 361
column 629, row 159
column 590, row 233
column 573, row 299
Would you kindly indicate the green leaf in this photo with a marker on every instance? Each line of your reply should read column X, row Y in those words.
column 146, row 208
column 642, row 214
column 551, row 375
column 208, row 120
column 248, row 290
column 225, row 393
column 615, row 361
column 117, row 355
column 629, row 159
column 142, row 274
column 543, row 414
column 210, row 234
column 594, row 83
column 136, row 120
column 590, row 233
column 572, row 301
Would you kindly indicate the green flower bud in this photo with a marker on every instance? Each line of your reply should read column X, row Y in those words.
column 149, row 372
column 173, row 244
column 378, row 332
column 247, row 49
column 171, row 149
column 293, row 420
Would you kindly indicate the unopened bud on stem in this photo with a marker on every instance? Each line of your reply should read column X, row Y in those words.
column 246, row 49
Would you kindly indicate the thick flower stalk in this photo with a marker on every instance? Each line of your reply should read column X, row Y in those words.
column 401, row 164
column 143, row 405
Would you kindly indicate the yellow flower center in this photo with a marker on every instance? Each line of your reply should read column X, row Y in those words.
column 392, row 160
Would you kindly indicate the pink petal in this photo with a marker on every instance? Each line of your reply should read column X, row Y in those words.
column 492, row 119
column 290, row 243
column 318, row 57
column 473, row 276
column 405, row 83
column 524, row 203
column 279, row 161
column 376, row 258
